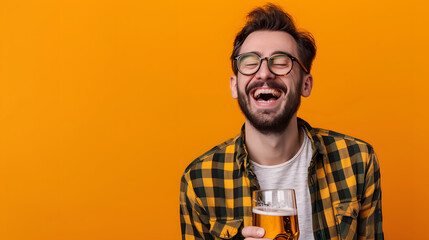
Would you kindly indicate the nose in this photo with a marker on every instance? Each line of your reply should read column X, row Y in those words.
column 264, row 72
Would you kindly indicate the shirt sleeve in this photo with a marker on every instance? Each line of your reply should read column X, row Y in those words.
column 191, row 213
column 370, row 217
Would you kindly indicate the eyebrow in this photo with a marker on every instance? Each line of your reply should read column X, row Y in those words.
column 281, row 52
column 275, row 52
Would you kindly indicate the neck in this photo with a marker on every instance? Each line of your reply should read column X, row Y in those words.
column 273, row 148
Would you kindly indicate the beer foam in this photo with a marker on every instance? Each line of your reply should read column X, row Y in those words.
column 274, row 211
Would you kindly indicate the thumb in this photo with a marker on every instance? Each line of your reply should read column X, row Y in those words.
column 252, row 231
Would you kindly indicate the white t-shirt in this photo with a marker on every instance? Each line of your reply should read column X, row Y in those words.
column 292, row 174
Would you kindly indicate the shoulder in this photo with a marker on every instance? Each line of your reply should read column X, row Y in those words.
column 343, row 150
column 214, row 158
column 333, row 141
column 328, row 141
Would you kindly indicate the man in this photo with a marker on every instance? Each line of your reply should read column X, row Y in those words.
column 336, row 177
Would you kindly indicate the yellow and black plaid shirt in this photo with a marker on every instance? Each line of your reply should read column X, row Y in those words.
column 343, row 180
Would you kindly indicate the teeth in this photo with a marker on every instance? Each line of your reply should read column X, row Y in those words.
column 274, row 92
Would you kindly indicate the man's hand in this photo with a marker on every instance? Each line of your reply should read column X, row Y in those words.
column 253, row 233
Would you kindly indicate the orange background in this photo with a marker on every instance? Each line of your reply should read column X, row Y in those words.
column 104, row 103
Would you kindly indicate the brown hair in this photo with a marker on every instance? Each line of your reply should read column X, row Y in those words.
column 273, row 18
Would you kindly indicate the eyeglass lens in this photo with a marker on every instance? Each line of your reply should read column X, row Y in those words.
column 279, row 64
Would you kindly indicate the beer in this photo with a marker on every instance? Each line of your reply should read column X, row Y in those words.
column 279, row 223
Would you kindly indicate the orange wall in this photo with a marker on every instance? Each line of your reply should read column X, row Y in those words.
column 104, row 103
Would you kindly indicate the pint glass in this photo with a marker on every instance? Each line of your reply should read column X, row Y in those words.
column 275, row 211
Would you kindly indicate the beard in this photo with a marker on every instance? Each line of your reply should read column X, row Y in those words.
column 263, row 121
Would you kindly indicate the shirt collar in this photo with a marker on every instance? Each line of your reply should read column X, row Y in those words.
column 241, row 148
column 242, row 154
column 314, row 137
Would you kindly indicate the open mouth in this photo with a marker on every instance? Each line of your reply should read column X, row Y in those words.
column 266, row 94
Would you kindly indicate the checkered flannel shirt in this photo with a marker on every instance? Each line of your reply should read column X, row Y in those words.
column 343, row 180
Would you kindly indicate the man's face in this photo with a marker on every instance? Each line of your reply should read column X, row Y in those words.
column 269, row 101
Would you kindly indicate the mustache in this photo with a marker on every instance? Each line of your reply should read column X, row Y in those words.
column 271, row 84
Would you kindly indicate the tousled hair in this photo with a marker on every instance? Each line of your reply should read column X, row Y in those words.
column 271, row 17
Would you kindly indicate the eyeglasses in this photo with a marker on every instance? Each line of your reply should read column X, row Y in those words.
column 278, row 64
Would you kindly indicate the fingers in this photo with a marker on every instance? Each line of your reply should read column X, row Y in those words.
column 252, row 232
column 257, row 239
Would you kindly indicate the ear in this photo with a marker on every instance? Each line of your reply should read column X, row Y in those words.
column 307, row 85
column 233, row 86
